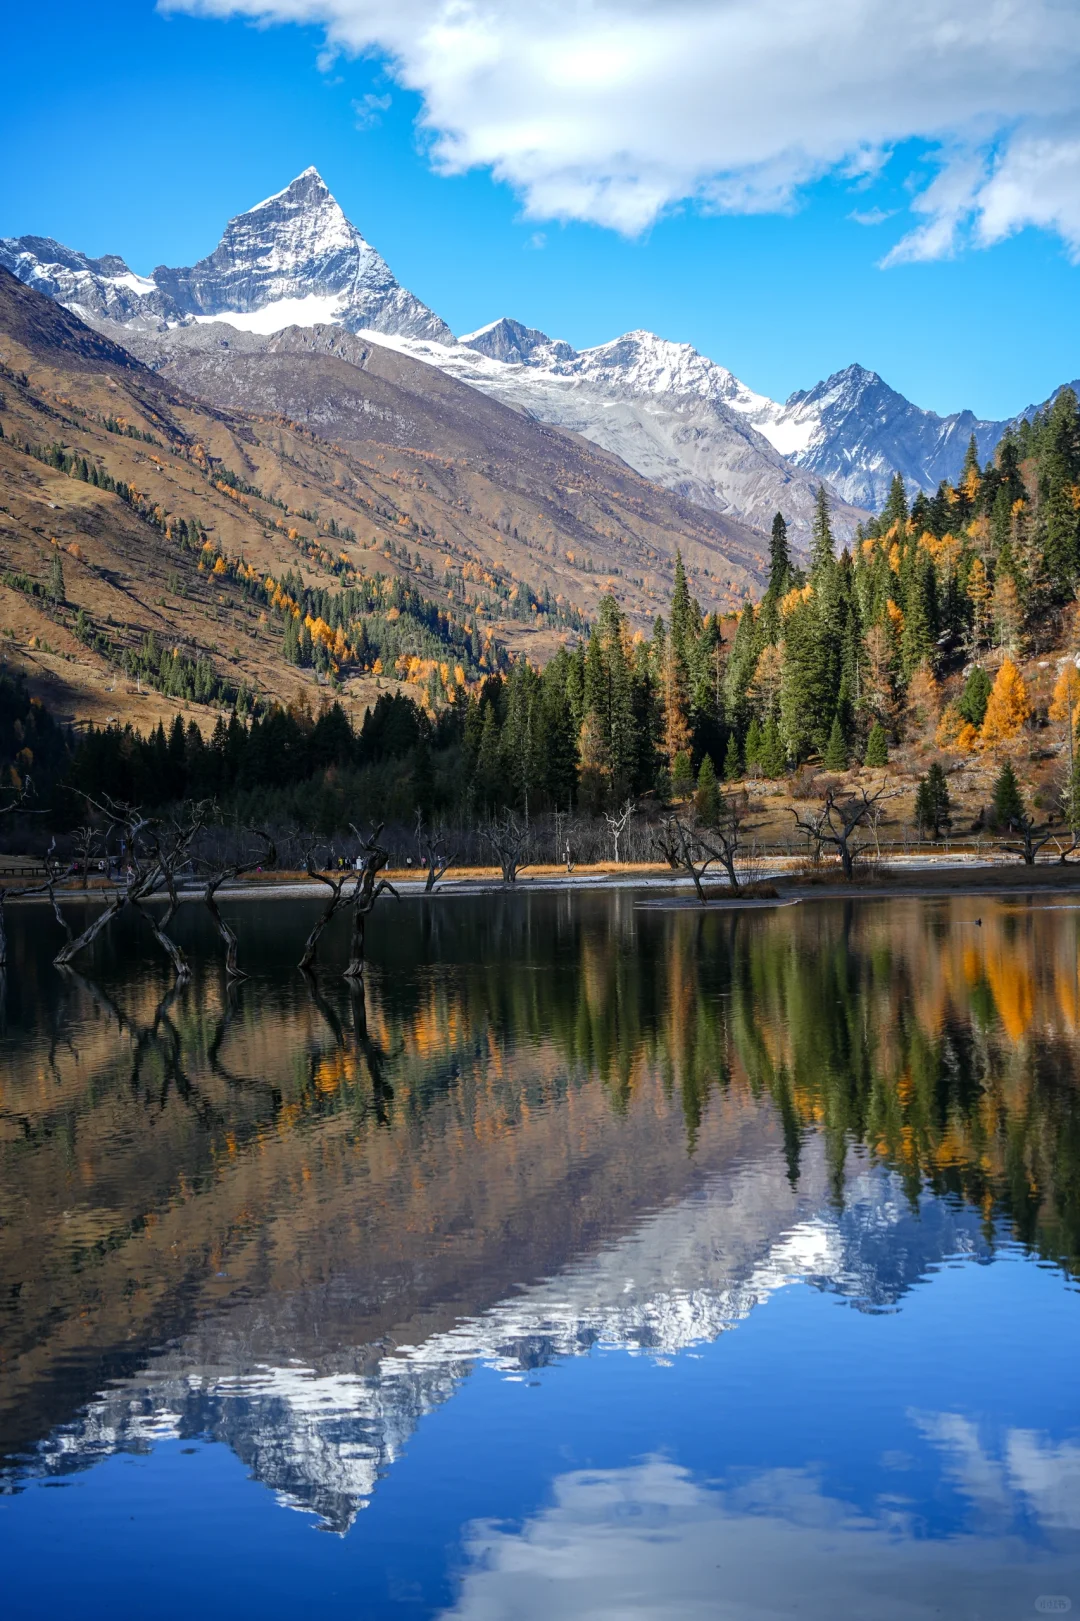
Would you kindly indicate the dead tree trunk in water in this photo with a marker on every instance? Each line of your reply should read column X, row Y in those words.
column 338, row 899
column 155, row 853
column 429, row 844
column 221, row 875
column 160, row 928
column 679, row 840
column 369, row 887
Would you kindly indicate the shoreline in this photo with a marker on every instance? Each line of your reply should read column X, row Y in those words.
column 912, row 878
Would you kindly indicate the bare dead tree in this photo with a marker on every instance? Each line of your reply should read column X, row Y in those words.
column 154, row 852
column 838, row 822
column 431, row 847
column 369, row 886
column 336, row 883
column 667, row 842
column 618, row 822
column 722, row 839
column 509, row 842
column 217, row 875
column 1032, row 839
column 687, row 852
column 159, row 926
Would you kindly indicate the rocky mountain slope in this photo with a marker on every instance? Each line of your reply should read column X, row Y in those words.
column 295, row 260
column 676, row 417
column 855, row 432
column 294, row 257
column 321, row 453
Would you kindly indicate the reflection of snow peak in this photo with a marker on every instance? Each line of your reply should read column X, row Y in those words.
column 320, row 1438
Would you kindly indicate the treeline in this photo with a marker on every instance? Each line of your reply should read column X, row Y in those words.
column 269, row 765
column 844, row 659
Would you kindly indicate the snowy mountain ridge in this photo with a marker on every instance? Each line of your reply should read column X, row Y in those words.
column 677, row 417
column 293, row 259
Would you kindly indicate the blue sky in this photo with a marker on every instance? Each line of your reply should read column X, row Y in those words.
column 141, row 133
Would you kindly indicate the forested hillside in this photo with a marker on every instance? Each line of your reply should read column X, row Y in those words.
column 158, row 551
column 946, row 633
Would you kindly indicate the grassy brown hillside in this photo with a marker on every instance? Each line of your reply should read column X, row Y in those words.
column 483, row 512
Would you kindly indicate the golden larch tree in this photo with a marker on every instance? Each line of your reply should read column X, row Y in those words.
column 1007, row 707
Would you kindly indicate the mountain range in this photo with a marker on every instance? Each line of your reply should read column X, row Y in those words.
column 310, row 449
column 676, row 417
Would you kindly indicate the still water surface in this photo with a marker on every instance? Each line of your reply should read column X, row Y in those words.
column 608, row 1261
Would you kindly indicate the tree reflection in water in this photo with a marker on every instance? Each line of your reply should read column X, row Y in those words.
column 524, row 1081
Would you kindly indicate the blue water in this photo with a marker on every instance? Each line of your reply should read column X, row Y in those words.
column 749, row 1395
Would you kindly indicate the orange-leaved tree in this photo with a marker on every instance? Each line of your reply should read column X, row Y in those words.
column 1007, row 707
column 1066, row 697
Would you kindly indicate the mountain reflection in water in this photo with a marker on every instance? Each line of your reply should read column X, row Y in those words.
column 287, row 1219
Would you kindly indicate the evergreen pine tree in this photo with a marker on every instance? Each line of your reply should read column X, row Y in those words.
column 773, row 758
column 753, row 746
column 976, row 694
column 707, row 797
column 57, row 593
column 877, row 748
column 1008, row 802
column 822, row 549
column 836, row 751
column 683, row 616
column 933, row 806
column 682, row 775
column 896, row 506
column 732, row 763
column 779, row 558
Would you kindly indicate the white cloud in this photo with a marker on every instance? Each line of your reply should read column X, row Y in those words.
column 369, row 110
column 871, row 216
column 1037, row 182
column 650, row 1543
column 615, row 110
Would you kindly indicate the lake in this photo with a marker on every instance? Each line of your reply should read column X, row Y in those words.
column 605, row 1259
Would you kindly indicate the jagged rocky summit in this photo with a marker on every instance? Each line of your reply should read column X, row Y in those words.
column 675, row 416
column 291, row 260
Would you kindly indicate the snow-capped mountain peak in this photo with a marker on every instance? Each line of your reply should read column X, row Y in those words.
column 647, row 364
column 513, row 344
column 677, row 417
column 293, row 259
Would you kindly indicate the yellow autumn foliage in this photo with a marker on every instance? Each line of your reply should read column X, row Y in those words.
column 1008, row 706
